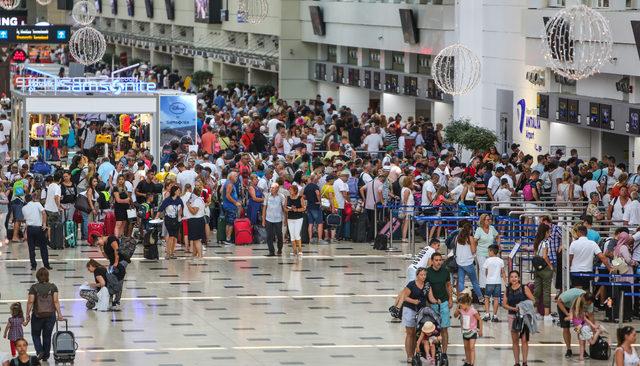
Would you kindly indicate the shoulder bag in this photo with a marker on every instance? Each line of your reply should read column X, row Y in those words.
column 538, row 261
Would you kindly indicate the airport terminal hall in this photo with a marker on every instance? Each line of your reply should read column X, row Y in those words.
column 319, row 182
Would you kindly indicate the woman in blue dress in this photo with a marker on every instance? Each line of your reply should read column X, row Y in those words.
column 254, row 206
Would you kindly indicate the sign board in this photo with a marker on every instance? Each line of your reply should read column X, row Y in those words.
column 178, row 117
column 35, row 34
column 19, row 56
column 115, row 86
column 13, row 17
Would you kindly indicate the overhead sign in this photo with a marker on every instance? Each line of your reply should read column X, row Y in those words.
column 115, row 86
column 529, row 123
column 35, row 34
column 13, row 17
column 178, row 117
column 19, row 56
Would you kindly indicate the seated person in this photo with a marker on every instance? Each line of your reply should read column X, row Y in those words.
column 429, row 337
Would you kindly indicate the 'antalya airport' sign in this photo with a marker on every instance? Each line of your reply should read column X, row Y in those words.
column 114, row 86
column 529, row 122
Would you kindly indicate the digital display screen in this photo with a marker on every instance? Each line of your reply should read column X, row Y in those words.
column 572, row 106
column 594, row 115
column 98, row 4
column 605, row 116
column 208, row 11
column 148, row 5
column 13, row 17
column 634, row 121
column 543, row 106
column 562, row 110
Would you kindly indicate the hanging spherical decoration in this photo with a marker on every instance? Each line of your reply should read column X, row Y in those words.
column 44, row 2
column 84, row 12
column 576, row 42
column 87, row 46
column 253, row 11
column 9, row 4
column 456, row 70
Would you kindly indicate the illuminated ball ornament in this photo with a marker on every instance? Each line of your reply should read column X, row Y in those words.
column 87, row 46
column 456, row 70
column 576, row 42
column 84, row 12
column 9, row 4
column 253, row 11
column 44, row 2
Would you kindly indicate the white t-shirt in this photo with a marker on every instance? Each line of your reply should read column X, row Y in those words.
column 272, row 126
column 197, row 202
column 555, row 175
column 632, row 213
column 428, row 252
column 456, row 192
column 186, row 214
column 6, row 124
column 52, row 190
column 583, row 251
column 187, row 176
column 374, row 142
column 589, row 187
column 503, row 195
column 32, row 213
column 494, row 183
column 428, row 187
column 494, row 267
column 340, row 186
column 464, row 257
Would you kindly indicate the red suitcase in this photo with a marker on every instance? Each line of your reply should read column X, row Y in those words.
column 109, row 222
column 243, row 231
column 94, row 228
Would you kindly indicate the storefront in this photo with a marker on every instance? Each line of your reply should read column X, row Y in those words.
column 132, row 112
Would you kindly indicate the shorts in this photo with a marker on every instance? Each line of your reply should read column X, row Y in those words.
column 173, row 226
column 230, row 215
column 579, row 281
column 443, row 310
column 564, row 323
column 470, row 335
column 409, row 317
column 315, row 217
column 53, row 218
column 493, row 291
column 16, row 210
column 525, row 331
column 585, row 333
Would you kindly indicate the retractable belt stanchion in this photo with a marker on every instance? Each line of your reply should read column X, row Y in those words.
column 390, row 248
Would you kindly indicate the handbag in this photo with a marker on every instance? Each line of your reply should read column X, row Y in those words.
column 325, row 203
column 334, row 220
column 538, row 261
column 131, row 213
column 348, row 210
column 452, row 265
column 82, row 204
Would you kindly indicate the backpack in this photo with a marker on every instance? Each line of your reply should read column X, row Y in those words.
column 361, row 182
column 527, row 191
column 396, row 188
column 113, row 284
column 104, row 199
column 380, row 242
column 44, row 305
column 18, row 188
column 450, row 241
column 600, row 349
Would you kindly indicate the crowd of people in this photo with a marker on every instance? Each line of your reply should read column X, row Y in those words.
column 315, row 172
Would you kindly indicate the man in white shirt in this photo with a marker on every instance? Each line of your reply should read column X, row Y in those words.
column 365, row 176
column 266, row 181
column 341, row 191
column 590, row 185
column 6, row 124
column 582, row 252
column 186, row 176
column 494, row 182
column 52, row 203
column 443, row 173
column 35, row 218
column 373, row 142
column 631, row 215
column 272, row 125
column 429, row 190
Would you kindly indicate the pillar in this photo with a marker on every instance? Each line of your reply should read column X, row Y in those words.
column 441, row 112
column 356, row 98
column 397, row 104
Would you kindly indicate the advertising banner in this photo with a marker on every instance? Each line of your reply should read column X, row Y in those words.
column 178, row 117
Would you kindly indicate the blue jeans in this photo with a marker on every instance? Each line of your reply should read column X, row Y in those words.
column 85, row 225
column 344, row 230
column 41, row 330
column 470, row 271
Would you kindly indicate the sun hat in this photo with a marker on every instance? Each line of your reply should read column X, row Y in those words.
column 428, row 327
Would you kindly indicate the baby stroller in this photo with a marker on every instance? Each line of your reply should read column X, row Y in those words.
column 427, row 314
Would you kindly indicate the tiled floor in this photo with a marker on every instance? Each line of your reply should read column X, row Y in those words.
column 237, row 307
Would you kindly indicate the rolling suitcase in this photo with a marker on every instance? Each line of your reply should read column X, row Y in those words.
column 359, row 227
column 221, row 229
column 94, row 228
column 109, row 222
column 70, row 232
column 243, row 231
column 57, row 236
column 64, row 345
column 151, row 252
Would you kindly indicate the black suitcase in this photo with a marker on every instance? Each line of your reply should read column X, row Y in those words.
column 57, row 236
column 359, row 227
column 600, row 350
column 64, row 345
column 151, row 252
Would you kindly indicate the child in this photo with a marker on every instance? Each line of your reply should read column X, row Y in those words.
column 13, row 331
column 471, row 327
column 503, row 194
column 495, row 275
column 583, row 326
column 428, row 338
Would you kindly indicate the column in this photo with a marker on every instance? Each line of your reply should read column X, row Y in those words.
column 397, row 104
column 356, row 98
column 441, row 112
column 634, row 155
